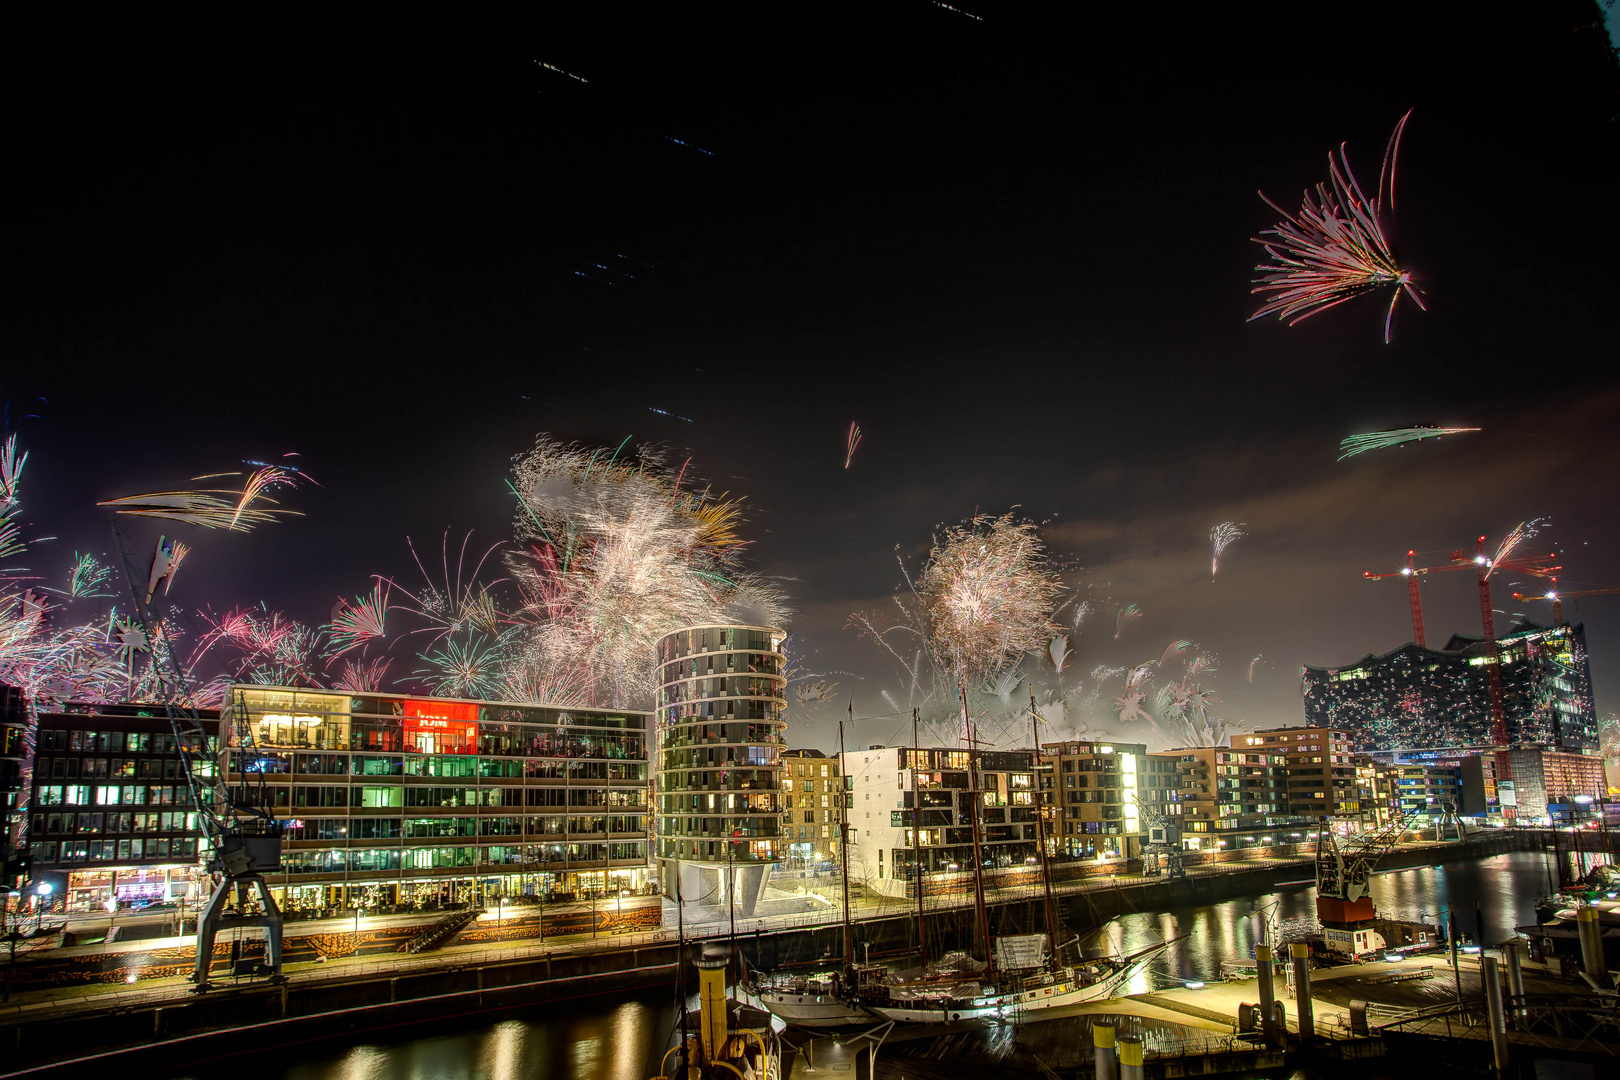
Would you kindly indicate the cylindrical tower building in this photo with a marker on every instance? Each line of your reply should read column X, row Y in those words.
column 722, row 700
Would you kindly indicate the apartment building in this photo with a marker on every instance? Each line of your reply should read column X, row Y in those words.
column 1096, row 797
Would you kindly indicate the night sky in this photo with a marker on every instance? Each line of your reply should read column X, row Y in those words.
column 1015, row 250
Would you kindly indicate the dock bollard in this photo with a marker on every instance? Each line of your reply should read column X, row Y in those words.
column 1510, row 951
column 1490, row 973
column 1102, row 1039
column 1301, row 954
column 1130, row 1058
column 1268, row 995
column 1592, row 962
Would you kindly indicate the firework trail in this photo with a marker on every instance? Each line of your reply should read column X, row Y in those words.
column 1334, row 249
column 1258, row 657
column 1383, row 440
column 365, row 620
column 853, row 441
column 11, row 468
column 1127, row 614
column 1524, row 531
column 1059, row 652
column 216, row 508
column 165, row 565
column 1222, row 536
column 464, row 604
column 1174, row 649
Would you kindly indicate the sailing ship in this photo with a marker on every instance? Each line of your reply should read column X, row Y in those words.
column 824, row 999
column 1017, row 975
column 961, row 988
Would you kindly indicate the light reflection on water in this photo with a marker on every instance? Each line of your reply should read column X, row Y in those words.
column 624, row 1038
column 1505, row 887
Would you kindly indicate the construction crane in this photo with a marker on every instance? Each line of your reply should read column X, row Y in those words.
column 244, row 841
column 1537, row 565
column 1558, row 597
column 1411, row 572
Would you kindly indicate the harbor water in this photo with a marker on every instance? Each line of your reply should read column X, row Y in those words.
column 623, row 1037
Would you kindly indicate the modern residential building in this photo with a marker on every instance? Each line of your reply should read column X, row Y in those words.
column 884, row 784
column 1418, row 697
column 111, row 814
column 13, row 766
column 1098, row 797
column 1230, row 797
column 812, row 790
column 1159, row 793
column 395, row 802
column 1538, row 785
column 722, row 700
column 1321, row 772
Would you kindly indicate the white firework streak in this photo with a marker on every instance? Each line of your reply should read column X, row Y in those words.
column 1222, row 536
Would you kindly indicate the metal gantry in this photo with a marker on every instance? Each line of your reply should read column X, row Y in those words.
column 244, row 841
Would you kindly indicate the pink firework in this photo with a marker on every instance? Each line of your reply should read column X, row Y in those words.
column 1334, row 249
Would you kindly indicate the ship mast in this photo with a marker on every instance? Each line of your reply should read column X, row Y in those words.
column 843, row 850
column 916, row 837
column 976, row 799
column 1040, row 832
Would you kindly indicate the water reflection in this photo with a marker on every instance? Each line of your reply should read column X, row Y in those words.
column 1505, row 887
column 624, row 1038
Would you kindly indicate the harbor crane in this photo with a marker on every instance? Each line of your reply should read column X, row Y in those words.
column 243, row 841
column 1558, row 597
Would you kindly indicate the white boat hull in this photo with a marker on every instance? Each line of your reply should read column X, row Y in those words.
column 812, row 1010
column 1010, row 1005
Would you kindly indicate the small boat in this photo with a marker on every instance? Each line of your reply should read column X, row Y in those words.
column 930, row 996
column 818, row 1000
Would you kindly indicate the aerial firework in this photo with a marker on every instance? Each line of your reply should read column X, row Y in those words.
column 1334, row 249
column 362, row 676
column 987, row 597
column 1253, row 662
column 617, row 551
column 1127, row 614
column 1383, row 440
column 365, row 620
column 216, row 508
column 1222, row 536
column 467, row 669
column 165, row 565
column 1081, row 610
column 11, row 468
column 852, row 442
column 1524, row 531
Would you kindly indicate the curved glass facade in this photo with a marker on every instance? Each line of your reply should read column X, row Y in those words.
column 722, row 700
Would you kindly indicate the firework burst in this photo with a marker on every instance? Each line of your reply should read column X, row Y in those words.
column 1334, row 249
column 1127, row 615
column 852, row 442
column 473, row 668
column 987, row 597
column 1222, row 537
column 365, row 620
column 617, row 551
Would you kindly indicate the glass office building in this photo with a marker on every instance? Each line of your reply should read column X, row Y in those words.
column 399, row 802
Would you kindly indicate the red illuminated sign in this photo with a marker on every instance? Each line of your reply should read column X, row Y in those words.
column 452, row 724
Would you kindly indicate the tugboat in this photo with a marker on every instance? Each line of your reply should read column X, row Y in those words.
column 733, row 1039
